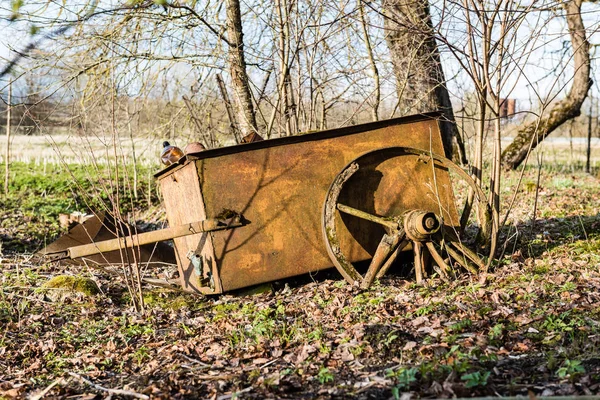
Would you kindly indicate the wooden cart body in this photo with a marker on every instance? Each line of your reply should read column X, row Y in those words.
column 279, row 186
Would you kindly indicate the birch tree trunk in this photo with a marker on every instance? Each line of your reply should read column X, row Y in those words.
column 530, row 135
column 242, row 98
column 421, row 85
column 374, row 70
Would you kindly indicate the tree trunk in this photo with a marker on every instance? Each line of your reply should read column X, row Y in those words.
column 242, row 98
column 374, row 70
column 532, row 134
column 7, row 154
column 421, row 85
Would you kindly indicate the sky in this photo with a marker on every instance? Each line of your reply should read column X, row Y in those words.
column 539, row 79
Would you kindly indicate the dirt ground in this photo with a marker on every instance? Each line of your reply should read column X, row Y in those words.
column 531, row 325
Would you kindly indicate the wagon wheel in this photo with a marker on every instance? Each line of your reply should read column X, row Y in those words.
column 449, row 244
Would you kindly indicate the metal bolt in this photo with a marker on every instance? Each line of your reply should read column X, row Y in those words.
column 430, row 223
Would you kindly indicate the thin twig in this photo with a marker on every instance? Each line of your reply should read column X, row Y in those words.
column 537, row 191
column 204, row 365
column 42, row 393
column 120, row 392
column 234, row 394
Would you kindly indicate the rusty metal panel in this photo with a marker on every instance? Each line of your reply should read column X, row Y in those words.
column 280, row 185
column 184, row 204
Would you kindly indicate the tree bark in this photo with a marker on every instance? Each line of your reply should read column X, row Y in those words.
column 7, row 154
column 421, row 85
column 242, row 98
column 530, row 135
column 374, row 70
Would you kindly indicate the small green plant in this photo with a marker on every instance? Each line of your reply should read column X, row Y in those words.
column 325, row 376
column 570, row 369
column 491, row 357
column 107, row 362
column 461, row 326
column 390, row 338
column 540, row 269
column 475, row 379
column 236, row 337
column 568, row 287
column 324, row 348
column 496, row 331
column 254, row 374
column 424, row 310
column 136, row 330
column 339, row 284
column 457, row 360
column 141, row 354
column 529, row 186
column 55, row 362
column 485, row 310
column 404, row 376
column 356, row 350
column 186, row 329
column 565, row 322
column 316, row 334
column 451, row 339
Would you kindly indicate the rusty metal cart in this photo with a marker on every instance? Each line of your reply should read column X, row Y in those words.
column 268, row 210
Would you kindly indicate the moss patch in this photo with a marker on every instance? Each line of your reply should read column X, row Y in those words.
column 63, row 285
column 256, row 289
column 167, row 299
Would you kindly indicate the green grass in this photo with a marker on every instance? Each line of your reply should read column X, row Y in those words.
column 59, row 188
column 39, row 193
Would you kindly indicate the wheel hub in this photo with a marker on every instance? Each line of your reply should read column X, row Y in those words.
column 419, row 225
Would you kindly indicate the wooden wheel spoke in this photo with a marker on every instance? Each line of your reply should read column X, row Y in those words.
column 392, row 258
column 444, row 268
column 441, row 273
column 419, row 261
column 471, row 255
column 386, row 222
column 386, row 248
column 461, row 259
column 466, row 211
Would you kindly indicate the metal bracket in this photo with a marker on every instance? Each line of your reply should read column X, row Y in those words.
column 424, row 158
column 198, row 263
